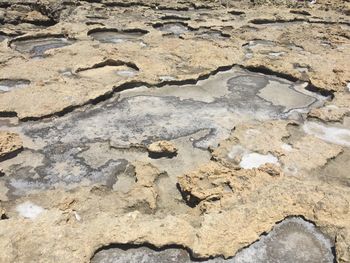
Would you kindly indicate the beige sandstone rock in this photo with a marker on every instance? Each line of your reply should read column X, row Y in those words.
column 162, row 148
column 222, row 203
column 9, row 143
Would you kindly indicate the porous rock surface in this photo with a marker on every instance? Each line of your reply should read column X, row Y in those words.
column 9, row 143
column 264, row 83
column 162, row 147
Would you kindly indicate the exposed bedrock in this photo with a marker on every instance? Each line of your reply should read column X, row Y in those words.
column 167, row 131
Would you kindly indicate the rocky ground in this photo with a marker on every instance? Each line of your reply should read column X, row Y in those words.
column 174, row 131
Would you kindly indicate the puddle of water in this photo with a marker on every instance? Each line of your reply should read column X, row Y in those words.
column 7, row 85
column 138, row 116
column 294, row 240
column 283, row 95
column 114, row 36
column 36, row 47
column 173, row 28
column 330, row 134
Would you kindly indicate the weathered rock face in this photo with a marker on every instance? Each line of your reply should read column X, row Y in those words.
column 281, row 244
column 214, row 183
column 10, row 144
column 249, row 103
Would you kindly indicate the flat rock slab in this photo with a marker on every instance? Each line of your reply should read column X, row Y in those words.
column 246, row 112
column 142, row 114
column 291, row 241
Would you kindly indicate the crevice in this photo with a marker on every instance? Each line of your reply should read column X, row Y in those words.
column 127, row 246
column 132, row 30
column 135, row 30
column 158, row 155
column 92, row 1
column 103, row 29
column 236, row 12
column 267, row 71
column 334, row 251
column 190, row 200
column 136, row 84
column 263, row 21
column 175, row 17
column 310, row 86
column 159, row 25
column 44, row 23
column 266, row 21
column 2, row 33
column 8, row 114
column 90, row 23
column 323, row 92
column 300, row 12
column 165, row 8
column 199, row 6
column 329, row 22
column 126, row 4
column 4, row 216
column 10, row 155
column 110, row 62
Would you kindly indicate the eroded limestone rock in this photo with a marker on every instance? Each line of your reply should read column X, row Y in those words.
column 94, row 106
column 213, row 182
column 10, row 143
column 162, row 149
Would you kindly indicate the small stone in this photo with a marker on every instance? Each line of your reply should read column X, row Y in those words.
column 3, row 214
column 161, row 149
column 271, row 169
